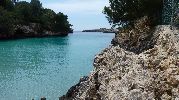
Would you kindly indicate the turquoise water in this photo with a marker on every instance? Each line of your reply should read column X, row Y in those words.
column 38, row 67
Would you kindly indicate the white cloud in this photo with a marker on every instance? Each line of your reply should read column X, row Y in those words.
column 78, row 6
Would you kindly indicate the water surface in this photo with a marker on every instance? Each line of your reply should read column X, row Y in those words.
column 38, row 67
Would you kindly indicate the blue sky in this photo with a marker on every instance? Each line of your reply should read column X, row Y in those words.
column 83, row 14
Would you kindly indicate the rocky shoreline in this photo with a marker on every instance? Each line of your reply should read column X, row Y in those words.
column 30, row 31
column 120, row 73
column 14, row 37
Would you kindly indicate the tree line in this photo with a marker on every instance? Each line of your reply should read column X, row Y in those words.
column 125, row 12
column 14, row 12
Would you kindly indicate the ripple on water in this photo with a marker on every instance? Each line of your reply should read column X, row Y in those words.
column 33, row 68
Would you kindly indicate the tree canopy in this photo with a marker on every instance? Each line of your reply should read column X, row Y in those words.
column 14, row 12
column 125, row 12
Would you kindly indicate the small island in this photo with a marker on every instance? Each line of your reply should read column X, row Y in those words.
column 104, row 30
column 21, row 19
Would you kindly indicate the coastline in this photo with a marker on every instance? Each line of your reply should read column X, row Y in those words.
column 2, row 38
column 104, row 30
column 33, row 30
column 122, row 74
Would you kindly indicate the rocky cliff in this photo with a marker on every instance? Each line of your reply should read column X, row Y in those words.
column 121, row 74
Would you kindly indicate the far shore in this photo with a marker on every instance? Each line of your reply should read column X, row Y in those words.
column 104, row 30
column 15, row 37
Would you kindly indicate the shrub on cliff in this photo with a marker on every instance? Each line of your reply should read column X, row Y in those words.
column 136, row 19
column 125, row 12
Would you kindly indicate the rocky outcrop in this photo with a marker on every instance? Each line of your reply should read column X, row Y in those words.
column 31, row 30
column 28, row 30
column 137, row 39
column 124, row 75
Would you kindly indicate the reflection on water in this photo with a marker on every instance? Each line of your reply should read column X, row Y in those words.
column 33, row 68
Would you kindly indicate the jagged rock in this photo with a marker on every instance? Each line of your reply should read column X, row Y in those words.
column 33, row 29
column 123, row 75
column 137, row 39
column 72, row 92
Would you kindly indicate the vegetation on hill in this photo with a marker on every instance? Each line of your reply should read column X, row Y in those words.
column 126, row 12
column 137, row 19
column 15, row 14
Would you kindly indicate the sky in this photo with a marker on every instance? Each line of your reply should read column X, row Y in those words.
column 82, row 14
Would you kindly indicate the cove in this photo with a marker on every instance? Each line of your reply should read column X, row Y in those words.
column 38, row 67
